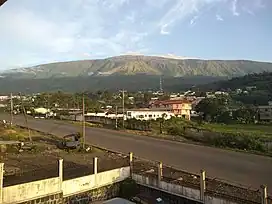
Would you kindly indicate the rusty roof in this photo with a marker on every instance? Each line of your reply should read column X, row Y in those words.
column 166, row 102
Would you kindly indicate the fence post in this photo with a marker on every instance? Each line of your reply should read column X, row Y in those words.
column 264, row 194
column 159, row 173
column 95, row 165
column 131, row 163
column 60, row 173
column 202, row 184
column 1, row 181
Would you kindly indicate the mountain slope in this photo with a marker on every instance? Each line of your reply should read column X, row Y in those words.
column 133, row 65
column 95, row 83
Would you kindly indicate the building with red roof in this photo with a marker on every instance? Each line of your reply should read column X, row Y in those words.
column 178, row 107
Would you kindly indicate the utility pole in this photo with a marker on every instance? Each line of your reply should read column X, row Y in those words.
column 25, row 116
column 123, row 103
column 11, row 110
column 83, row 122
column 116, row 120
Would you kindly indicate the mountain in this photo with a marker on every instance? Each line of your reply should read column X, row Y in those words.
column 95, row 83
column 133, row 65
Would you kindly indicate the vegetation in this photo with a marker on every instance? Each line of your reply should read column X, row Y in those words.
column 226, row 110
column 131, row 65
column 128, row 188
column 100, row 83
column 253, row 89
column 249, row 137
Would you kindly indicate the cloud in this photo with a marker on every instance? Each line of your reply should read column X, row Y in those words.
column 234, row 8
column 182, row 10
column 43, row 31
column 193, row 20
column 163, row 29
column 219, row 18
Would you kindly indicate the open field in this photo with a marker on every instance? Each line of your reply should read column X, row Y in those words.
column 261, row 130
column 41, row 161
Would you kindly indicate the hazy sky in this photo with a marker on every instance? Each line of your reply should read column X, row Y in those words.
column 39, row 31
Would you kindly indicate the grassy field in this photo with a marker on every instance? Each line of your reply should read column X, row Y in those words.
column 261, row 130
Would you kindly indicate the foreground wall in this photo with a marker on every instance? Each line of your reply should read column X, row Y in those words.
column 31, row 190
column 193, row 194
column 54, row 190
column 86, row 183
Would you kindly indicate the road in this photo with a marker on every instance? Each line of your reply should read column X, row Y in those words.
column 236, row 167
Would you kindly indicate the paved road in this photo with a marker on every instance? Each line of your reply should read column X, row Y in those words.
column 246, row 169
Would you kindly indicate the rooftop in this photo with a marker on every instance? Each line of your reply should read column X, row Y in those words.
column 171, row 102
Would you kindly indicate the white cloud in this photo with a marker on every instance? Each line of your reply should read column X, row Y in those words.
column 42, row 31
column 163, row 29
column 234, row 8
column 193, row 20
column 219, row 18
column 183, row 9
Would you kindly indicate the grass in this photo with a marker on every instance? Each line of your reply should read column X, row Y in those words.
column 260, row 130
column 14, row 133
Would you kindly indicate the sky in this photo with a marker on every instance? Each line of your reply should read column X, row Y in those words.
column 35, row 32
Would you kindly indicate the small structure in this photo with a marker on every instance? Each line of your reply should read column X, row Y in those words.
column 148, row 114
column 177, row 107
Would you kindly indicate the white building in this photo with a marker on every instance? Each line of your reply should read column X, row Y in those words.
column 147, row 114
column 105, row 115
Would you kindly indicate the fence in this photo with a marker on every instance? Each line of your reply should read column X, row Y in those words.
column 57, row 185
column 146, row 173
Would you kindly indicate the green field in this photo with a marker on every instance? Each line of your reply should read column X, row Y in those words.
column 261, row 130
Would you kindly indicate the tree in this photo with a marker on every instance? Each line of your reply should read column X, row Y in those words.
column 212, row 108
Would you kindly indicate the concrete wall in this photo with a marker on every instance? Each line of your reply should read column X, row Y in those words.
column 31, row 190
column 168, row 187
column 86, row 183
column 213, row 200
column 38, row 190
column 186, row 192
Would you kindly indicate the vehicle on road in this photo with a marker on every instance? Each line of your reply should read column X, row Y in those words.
column 71, row 141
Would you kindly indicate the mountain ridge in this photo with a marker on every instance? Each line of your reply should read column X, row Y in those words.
column 141, row 64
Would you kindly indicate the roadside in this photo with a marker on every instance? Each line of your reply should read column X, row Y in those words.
column 38, row 159
column 40, row 162
column 234, row 137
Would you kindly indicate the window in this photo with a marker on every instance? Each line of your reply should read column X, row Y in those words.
column 150, row 116
column 129, row 114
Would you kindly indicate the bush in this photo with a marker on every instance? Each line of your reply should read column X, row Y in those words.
column 128, row 189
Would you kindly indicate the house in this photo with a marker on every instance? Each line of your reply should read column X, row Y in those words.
column 42, row 113
column 177, row 107
column 148, row 114
column 221, row 93
column 265, row 112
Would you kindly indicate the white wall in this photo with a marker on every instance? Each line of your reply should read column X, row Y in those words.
column 144, row 115
column 42, row 188
column 213, row 200
column 86, row 183
column 186, row 192
column 36, row 189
